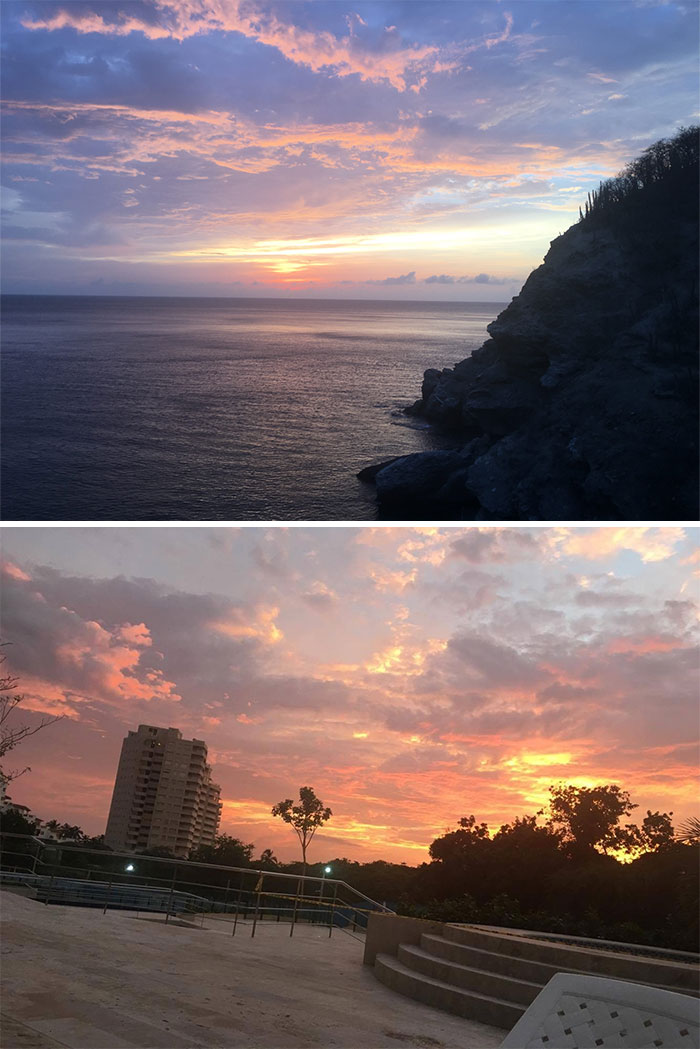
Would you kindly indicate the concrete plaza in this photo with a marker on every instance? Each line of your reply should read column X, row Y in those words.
column 77, row 978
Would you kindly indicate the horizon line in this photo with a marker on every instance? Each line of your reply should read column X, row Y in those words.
column 274, row 298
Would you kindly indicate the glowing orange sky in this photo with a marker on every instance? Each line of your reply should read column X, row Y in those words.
column 411, row 676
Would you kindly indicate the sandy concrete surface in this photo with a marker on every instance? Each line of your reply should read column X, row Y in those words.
column 75, row 977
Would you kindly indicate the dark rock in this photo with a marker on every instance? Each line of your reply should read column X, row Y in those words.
column 421, row 474
column 368, row 474
column 583, row 403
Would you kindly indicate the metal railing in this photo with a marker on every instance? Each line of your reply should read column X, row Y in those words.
column 60, row 873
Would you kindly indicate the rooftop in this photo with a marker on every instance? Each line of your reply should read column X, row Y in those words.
column 75, row 977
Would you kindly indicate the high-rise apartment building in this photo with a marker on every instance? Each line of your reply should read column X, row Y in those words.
column 163, row 793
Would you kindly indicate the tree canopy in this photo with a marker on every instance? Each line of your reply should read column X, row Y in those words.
column 589, row 816
column 226, row 851
column 305, row 818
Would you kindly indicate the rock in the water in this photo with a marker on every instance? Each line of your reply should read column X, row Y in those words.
column 416, row 479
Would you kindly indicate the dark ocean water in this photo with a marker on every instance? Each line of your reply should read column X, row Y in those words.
column 214, row 409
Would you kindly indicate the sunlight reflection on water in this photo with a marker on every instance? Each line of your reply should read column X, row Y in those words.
column 214, row 409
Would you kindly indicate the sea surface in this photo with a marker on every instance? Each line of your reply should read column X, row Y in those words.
column 214, row 409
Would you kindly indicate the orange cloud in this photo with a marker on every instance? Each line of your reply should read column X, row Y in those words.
column 260, row 624
column 316, row 50
column 652, row 544
column 47, row 697
column 14, row 572
column 136, row 634
column 404, row 658
column 644, row 644
column 98, row 659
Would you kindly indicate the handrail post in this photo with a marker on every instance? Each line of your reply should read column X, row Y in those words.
column 335, row 897
column 294, row 912
column 258, row 890
column 109, row 893
column 36, row 857
column 172, row 894
column 238, row 906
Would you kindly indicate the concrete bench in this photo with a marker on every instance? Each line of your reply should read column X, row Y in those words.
column 575, row 1011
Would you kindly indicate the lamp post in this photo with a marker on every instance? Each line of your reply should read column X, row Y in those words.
column 324, row 872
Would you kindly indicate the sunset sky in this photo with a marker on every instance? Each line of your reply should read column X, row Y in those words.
column 410, row 675
column 420, row 150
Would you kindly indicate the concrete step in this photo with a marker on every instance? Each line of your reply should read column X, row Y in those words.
column 441, row 995
column 517, row 969
column 490, row 961
column 521, row 992
column 569, row 958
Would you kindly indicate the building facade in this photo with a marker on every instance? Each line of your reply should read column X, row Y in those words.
column 163, row 794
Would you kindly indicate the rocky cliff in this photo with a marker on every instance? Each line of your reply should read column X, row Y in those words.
column 583, row 403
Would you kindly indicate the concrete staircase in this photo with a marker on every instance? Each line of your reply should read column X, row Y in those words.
column 492, row 976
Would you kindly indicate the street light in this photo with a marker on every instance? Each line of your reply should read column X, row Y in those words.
column 324, row 872
column 130, row 868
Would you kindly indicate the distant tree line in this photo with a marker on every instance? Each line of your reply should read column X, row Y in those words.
column 671, row 163
column 583, row 871
column 579, row 867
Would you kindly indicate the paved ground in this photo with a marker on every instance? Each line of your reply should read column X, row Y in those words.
column 75, row 977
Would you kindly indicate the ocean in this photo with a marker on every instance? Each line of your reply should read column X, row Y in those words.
column 214, row 409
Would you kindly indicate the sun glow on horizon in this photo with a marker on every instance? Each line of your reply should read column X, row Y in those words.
column 429, row 240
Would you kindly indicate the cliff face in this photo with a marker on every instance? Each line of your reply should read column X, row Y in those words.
column 582, row 404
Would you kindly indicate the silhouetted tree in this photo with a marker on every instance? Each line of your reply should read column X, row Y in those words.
column 656, row 832
column 65, row 831
column 17, row 819
column 305, row 818
column 459, row 843
column 267, row 861
column 227, row 851
column 669, row 162
column 589, row 816
column 462, row 860
column 525, row 857
column 689, row 830
column 11, row 734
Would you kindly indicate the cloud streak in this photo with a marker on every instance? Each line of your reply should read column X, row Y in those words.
column 139, row 136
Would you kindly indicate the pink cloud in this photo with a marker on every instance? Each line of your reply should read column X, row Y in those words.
column 652, row 544
column 14, row 572
column 315, row 50
column 136, row 634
